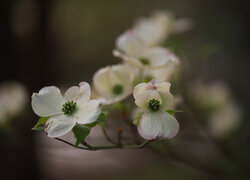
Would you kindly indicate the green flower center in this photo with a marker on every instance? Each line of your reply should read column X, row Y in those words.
column 154, row 104
column 69, row 107
column 117, row 89
column 148, row 79
column 145, row 61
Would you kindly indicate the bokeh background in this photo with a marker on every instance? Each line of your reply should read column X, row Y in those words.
column 56, row 42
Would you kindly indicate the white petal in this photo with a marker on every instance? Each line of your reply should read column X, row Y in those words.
column 59, row 125
column 160, row 74
column 130, row 44
column 85, row 93
column 72, row 93
column 162, row 86
column 139, row 89
column 47, row 102
column 154, row 30
column 101, row 82
column 89, row 112
column 158, row 125
column 159, row 57
column 163, row 89
column 167, row 100
column 128, row 59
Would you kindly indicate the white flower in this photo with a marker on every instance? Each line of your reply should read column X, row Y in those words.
column 113, row 83
column 160, row 74
column 13, row 97
column 65, row 111
column 154, row 98
column 156, row 28
column 133, row 51
column 224, row 113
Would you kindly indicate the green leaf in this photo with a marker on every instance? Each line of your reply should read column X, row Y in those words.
column 100, row 121
column 81, row 132
column 138, row 117
column 40, row 122
column 173, row 111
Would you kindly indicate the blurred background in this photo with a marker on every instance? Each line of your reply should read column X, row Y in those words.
column 56, row 42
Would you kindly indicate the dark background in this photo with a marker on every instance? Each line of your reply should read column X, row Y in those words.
column 61, row 43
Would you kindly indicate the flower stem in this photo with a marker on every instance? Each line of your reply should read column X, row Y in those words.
column 107, row 136
column 94, row 148
column 66, row 142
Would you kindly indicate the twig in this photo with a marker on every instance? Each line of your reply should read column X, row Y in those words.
column 119, row 136
column 66, row 142
column 107, row 136
column 94, row 148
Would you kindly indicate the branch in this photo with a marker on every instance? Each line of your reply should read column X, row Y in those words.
column 94, row 148
column 66, row 142
column 107, row 136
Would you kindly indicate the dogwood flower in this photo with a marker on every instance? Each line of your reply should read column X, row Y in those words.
column 156, row 28
column 113, row 83
column 65, row 111
column 154, row 98
column 223, row 112
column 133, row 51
column 13, row 97
column 160, row 74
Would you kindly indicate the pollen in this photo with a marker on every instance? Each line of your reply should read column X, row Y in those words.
column 154, row 105
column 117, row 89
column 69, row 107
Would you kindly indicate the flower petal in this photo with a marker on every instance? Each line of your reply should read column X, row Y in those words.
column 159, row 57
column 89, row 112
column 161, row 74
column 139, row 89
column 47, row 102
column 101, row 82
column 72, row 93
column 84, row 94
column 158, row 125
column 167, row 100
column 59, row 125
column 130, row 44
column 155, row 29
column 163, row 89
column 128, row 59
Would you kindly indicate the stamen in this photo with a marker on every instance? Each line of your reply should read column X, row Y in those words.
column 117, row 89
column 154, row 104
column 69, row 107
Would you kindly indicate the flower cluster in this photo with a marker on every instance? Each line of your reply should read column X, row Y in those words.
column 144, row 71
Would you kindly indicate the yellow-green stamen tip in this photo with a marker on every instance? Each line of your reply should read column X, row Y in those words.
column 69, row 107
column 154, row 104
